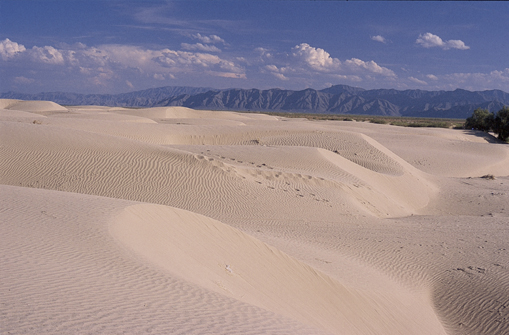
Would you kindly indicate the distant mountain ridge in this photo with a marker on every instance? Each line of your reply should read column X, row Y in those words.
column 144, row 98
column 342, row 99
column 338, row 99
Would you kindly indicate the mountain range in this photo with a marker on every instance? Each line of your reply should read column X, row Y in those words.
column 338, row 99
column 145, row 98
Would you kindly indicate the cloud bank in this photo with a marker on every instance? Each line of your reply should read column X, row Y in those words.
column 118, row 68
column 109, row 64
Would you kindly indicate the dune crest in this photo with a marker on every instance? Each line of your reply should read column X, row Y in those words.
column 224, row 260
column 33, row 106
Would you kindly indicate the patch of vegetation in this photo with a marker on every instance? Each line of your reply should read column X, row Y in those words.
column 390, row 120
column 483, row 119
column 379, row 121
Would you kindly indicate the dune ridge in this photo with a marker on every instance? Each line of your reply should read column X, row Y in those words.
column 183, row 220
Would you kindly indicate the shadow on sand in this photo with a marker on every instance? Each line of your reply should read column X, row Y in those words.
column 489, row 137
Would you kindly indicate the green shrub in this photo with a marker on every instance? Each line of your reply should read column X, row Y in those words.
column 501, row 124
column 483, row 120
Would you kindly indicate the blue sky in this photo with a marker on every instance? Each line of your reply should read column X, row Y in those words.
column 120, row 46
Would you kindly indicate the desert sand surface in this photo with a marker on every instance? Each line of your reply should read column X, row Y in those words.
column 178, row 221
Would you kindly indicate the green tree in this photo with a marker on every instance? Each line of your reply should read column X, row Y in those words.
column 501, row 124
column 481, row 119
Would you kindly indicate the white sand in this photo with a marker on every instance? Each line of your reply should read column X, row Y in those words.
column 176, row 221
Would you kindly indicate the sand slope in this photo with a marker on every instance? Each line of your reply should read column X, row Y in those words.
column 172, row 220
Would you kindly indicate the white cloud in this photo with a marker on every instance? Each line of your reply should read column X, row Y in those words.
column 432, row 77
column 184, row 59
column 211, row 39
column 108, row 65
column 348, row 78
column 47, row 54
column 160, row 63
column 355, row 64
column 310, row 66
column 200, row 47
column 417, row 81
column 9, row 49
column 316, row 58
column 277, row 72
column 379, row 38
column 319, row 60
column 457, row 44
column 280, row 76
column 124, row 55
column 429, row 40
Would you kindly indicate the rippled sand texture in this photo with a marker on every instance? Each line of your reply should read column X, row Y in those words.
column 176, row 221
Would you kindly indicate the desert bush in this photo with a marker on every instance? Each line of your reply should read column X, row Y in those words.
column 484, row 120
column 378, row 121
column 481, row 119
column 501, row 124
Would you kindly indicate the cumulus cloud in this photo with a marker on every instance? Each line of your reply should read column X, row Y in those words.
column 47, row 54
column 316, row 58
column 432, row 77
column 307, row 64
column 319, row 60
column 9, row 49
column 457, row 44
column 430, row 40
column 211, row 39
column 379, row 38
column 310, row 66
column 200, row 47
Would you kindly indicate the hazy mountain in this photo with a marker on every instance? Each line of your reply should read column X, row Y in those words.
column 145, row 98
column 343, row 99
column 339, row 99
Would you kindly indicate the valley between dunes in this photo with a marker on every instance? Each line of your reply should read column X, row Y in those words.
column 178, row 221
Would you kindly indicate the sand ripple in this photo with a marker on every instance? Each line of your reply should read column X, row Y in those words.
column 170, row 220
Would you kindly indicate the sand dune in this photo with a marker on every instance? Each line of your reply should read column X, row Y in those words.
column 172, row 220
